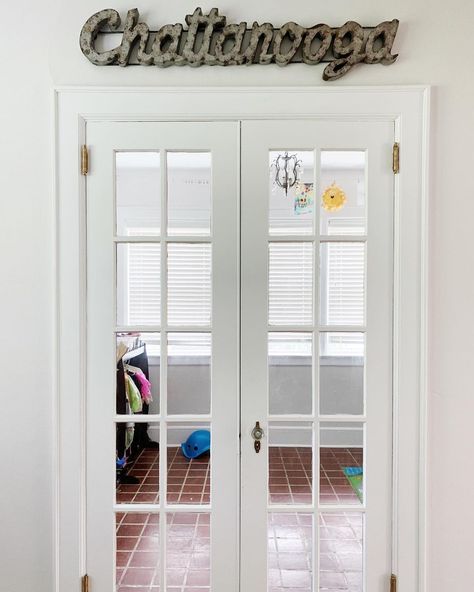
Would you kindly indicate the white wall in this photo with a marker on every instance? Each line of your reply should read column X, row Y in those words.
column 26, row 299
column 341, row 391
column 39, row 47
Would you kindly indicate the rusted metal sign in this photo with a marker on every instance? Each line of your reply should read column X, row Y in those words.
column 210, row 41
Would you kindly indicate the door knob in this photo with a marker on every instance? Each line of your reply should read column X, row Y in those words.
column 257, row 435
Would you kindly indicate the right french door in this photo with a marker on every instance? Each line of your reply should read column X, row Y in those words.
column 316, row 356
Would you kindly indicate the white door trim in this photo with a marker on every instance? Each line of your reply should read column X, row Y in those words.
column 408, row 108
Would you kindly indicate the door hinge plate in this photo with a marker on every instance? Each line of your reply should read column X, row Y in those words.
column 85, row 583
column 84, row 160
column 393, row 583
column 396, row 158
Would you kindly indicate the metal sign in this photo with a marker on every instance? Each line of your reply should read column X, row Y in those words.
column 210, row 41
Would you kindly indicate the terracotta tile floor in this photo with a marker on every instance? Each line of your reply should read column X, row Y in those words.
column 290, row 474
column 289, row 534
column 334, row 487
column 187, row 552
column 290, row 550
column 188, row 481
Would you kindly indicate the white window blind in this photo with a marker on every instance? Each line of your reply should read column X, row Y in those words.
column 188, row 345
column 290, row 344
column 345, row 289
column 189, row 284
column 189, row 292
column 345, row 278
column 143, row 283
column 291, row 283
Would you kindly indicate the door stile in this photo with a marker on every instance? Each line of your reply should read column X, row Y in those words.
column 225, row 369
column 254, row 385
column 100, row 371
column 315, row 373
column 379, row 353
column 163, row 472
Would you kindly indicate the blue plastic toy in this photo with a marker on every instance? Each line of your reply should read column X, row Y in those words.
column 353, row 471
column 197, row 443
column 120, row 462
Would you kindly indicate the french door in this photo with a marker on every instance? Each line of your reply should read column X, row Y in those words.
column 162, row 228
column 316, row 356
column 259, row 289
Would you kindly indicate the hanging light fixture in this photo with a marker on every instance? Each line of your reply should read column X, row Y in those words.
column 287, row 167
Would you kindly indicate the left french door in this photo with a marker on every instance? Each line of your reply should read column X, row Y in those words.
column 162, row 278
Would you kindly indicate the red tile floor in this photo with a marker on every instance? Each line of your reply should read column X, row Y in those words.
column 290, row 475
column 289, row 534
column 188, row 481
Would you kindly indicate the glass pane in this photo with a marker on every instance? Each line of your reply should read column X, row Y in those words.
column 137, row 463
column 138, row 284
column 189, row 284
column 291, row 211
column 290, row 373
column 138, row 190
column 342, row 280
column 189, row 463
column 290, row 549
column 341, row 551
column 189, row 193
column 343, row 186
column 188, row 552
column 138, row 552
column 290, row 458
column 189, row 373
column 291, row 283
column 341, row 463
column 341, row 373
column 138, row 373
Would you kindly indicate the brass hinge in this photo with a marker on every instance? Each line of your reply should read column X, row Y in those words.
column 84, row 160
column 393, row 583
column 396, row 158
column 85, row 583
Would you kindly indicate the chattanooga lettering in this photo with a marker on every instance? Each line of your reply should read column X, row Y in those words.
column 210, row 41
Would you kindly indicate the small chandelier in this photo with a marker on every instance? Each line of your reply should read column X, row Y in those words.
column 287, row 166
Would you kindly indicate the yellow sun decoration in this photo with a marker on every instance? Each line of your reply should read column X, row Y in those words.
column 333, row 198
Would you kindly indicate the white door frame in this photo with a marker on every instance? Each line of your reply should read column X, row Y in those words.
column 408, row 109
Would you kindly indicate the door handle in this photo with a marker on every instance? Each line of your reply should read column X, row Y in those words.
column 257, row 435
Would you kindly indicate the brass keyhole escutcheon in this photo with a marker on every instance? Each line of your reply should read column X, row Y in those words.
column 257, row 435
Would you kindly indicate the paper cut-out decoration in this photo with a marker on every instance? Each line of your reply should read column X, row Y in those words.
column 333, row 198
column 304, row 198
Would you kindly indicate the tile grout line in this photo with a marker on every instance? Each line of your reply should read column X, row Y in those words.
column 294, row 461
column 139, row 537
